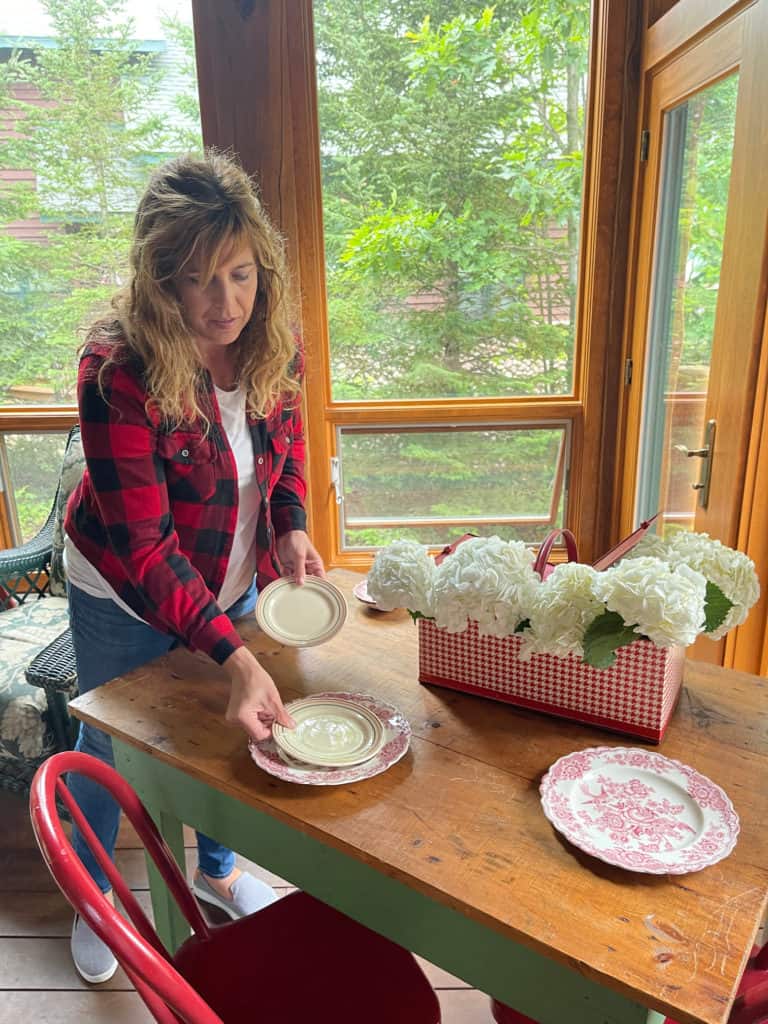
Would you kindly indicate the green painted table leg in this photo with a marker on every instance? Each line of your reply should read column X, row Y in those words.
column 170, row 923
column 535, row 985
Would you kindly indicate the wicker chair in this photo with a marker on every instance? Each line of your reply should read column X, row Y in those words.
column 38, row 674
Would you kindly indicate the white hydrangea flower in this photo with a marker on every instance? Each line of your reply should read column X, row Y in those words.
column 401, row 577
column 665, row 604
column 564, row 606
column 732, row 571
column 650, row 546
column 486, row 579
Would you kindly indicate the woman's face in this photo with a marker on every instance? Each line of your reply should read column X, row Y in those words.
column 217, row 313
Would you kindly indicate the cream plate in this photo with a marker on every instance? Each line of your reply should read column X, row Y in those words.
column 397, row 737
column 330, row 732
column 301, row 616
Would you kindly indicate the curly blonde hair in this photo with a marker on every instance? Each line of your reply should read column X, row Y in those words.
column 199, row 208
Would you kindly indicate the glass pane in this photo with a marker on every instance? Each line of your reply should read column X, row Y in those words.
column 696, row 169
column 452, row 140
column 92, row 96
column 33, row 463
column 433, row 486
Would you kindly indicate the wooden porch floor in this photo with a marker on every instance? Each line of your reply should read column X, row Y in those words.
column 37, row 980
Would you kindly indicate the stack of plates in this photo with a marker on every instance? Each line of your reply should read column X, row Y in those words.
column 331, row 732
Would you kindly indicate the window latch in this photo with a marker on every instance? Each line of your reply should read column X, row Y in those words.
column 336, row 479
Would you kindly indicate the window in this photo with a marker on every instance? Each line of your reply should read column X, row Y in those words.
column 91, row 99
column 452, row 158
column 452, row 142
column 425, row 484
column 487, row 305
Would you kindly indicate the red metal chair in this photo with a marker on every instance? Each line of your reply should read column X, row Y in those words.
column 750, row 1005
column 297, row 961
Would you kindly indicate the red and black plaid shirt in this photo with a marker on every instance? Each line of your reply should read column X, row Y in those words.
column 155, row 512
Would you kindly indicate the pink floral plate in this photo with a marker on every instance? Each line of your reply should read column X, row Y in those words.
column 360, row 590
column 639, row 810
column 397, row 737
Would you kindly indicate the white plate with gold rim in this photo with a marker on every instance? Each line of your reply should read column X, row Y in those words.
column 330, row 732
column 397, row 736
column 301, row 616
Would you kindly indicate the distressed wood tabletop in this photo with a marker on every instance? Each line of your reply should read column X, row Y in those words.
column 459, row 820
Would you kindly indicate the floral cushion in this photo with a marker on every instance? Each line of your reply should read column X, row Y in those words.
column 35, row 622
column 25, row 735
column 71, row 470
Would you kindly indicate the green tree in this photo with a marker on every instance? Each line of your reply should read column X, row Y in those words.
column 90, row 142
column 452, row 155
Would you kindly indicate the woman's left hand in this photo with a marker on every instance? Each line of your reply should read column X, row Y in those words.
column 298, row 556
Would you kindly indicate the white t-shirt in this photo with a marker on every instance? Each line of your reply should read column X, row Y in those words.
column 242, row 559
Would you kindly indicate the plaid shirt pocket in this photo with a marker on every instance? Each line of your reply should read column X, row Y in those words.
column 189, row 459
column 279, row 443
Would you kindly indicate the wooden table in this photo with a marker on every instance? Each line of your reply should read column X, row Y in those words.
column 449, row 852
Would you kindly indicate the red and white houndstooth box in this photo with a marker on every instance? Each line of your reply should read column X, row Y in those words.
column 637, row 695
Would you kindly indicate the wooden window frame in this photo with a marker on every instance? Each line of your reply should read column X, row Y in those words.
column 262, row 103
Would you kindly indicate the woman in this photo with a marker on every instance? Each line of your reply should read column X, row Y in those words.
column 189, row 411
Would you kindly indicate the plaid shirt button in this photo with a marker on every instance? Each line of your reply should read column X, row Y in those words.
column 185, row 453
column 261, row 460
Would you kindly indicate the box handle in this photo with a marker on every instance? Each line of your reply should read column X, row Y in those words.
column 450, row 548
column 540, row 565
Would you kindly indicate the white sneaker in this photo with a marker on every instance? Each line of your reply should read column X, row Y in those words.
column 95, row 961
column 249, row 894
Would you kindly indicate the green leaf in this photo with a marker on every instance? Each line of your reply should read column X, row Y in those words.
column 603, row 637
column 418, row 615
column 716, row 607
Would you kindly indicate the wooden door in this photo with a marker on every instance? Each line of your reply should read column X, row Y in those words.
column 694, row 360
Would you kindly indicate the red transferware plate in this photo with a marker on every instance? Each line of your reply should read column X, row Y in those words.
column 639, row 810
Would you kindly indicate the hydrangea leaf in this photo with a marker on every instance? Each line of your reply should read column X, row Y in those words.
column 603, row 637
column 415, row 616
column 716, row 607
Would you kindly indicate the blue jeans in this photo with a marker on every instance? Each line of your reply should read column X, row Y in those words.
column 109, row 642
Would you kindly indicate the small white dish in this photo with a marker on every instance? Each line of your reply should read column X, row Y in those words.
column 360, row 590
column 330, row 732
column 639, row 810
column 301, row 616
column 397, row 738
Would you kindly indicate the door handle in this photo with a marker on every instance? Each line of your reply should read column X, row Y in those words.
column 706, row 454
column 702, row 453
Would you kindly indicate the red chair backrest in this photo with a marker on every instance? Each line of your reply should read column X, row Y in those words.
column 134, row 942
column 751, row 1007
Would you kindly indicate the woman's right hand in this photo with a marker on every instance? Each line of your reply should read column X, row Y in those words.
column 254, row 701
